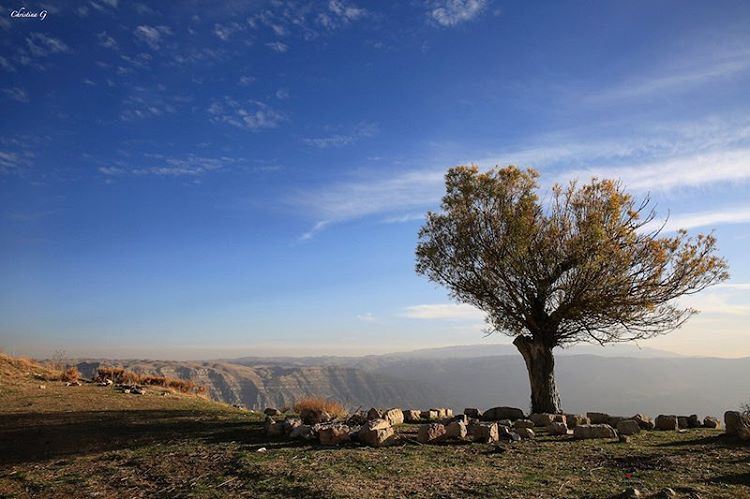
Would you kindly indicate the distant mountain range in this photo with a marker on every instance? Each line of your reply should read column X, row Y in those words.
column 621, row 380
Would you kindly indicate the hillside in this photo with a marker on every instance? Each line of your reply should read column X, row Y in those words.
column 91, row 441
column 268, row 385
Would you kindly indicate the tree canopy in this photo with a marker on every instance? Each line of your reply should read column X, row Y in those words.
column 587, row 263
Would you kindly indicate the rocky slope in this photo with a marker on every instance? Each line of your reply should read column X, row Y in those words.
column 262, row 386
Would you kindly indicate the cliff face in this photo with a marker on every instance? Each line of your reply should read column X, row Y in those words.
column 263, row 386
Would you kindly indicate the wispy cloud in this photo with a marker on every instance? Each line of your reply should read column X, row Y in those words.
column 453, row 12
column 361, row 130
column 724, row 300
column 278, row 47
column 710, row 219
column 444, row 311
column 163, row 166
column 314, row 230
column 17, row 94
column 41, row 45
column 106, row 41
column 153, row 36
column 696, row 70
column 366, row 317
column 6, row 65
column 251, row 115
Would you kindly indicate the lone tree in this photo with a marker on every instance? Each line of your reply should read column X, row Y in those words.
column 584, row 266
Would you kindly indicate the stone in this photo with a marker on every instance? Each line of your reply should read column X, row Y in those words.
column 628, row 427
column 394, row 416
column 644, row 422
column 557, row 428
column 463, row 418
column 505, row 422
column 613, row 420
column 431, row 433
column 497, row 413
column 290, row 424
column 473, row 412
column 376, row 433
column 542, row 419
column 484, row 432
column 732, row 422
column 598, row 417
column 335, row 434
column 505, row 433
column 573, row 420
column 666, row 422
column 302, row 432
column 374, row 413
column 138, row 391
column 273, row 429
column 523, row 423
column 440, row 412
column 456, row 430
column 624, row 439
column 357, row 419
column 412, row 416
column 314, row 416
column 693, row 421
column 431, row 415
column 525, row 433
column 270, row 411
column 711, row 422
column 744, row 433
column 631, row 493
column 682, row 422
column 586, row 431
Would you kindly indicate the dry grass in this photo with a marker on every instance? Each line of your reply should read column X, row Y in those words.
column 23, row 367
column 120, row 375
column 330, row 406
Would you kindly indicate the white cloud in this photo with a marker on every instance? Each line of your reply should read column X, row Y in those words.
column 278, row 47
column 361, row 130
column 189, row 166
column 6, row 65
column 247, row 80
column 41, row 45
column 453, row 12
column 710, row 219
column 106, row 41
column 17, row 94
column 152, row 35
column 696, row 70
column 282, row 94
column 314, row 230
column 252, row 115
column 10, row 162
column 366, row 317
column 444, row 311
column 409, row 217
column 724, row 300
column 225, row 31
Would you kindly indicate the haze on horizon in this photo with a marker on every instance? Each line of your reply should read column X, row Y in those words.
column 197, row 181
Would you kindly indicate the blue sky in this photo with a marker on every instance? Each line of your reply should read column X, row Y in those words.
column 187, row 180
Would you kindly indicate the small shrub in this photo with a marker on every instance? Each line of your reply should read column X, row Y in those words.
column 70, row 374
column 332, row 407
column 120, row 375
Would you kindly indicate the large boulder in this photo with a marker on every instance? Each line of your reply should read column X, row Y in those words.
column 613, row 420
column 573, row 420
column 711, row 422
column 525, row 433
column 431, row 433
column 523, row 423
column 586, row 431
column 431, row 415
column 744, row 433
column 598, row 417
column 682, row 422
column 628, row 427
column 484, row 432
column 411, row 416
column 557, row 428
column 734, row 421
column 303, row 432
column 315, row 416
column 374, row 413
column 376, row 433
column 694, row 421
column 394, row 416
column 497, row 413
column 357, row 419
column 644, row 422
column 290, row 424
column 273, row 428
column 666, row 422
column 334, row 434
column 505, row 433
column 542, row 419
column 473, row 412
column 460, row 417
column 270, row 411
column 456, row 430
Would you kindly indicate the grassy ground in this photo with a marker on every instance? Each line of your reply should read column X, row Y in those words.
column 93, row 441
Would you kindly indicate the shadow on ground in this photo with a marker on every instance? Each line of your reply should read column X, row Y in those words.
column 34, row 437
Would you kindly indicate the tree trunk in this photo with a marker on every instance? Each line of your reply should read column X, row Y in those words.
column 541, row 366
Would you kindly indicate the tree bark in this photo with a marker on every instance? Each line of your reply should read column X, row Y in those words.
column 541, row 366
